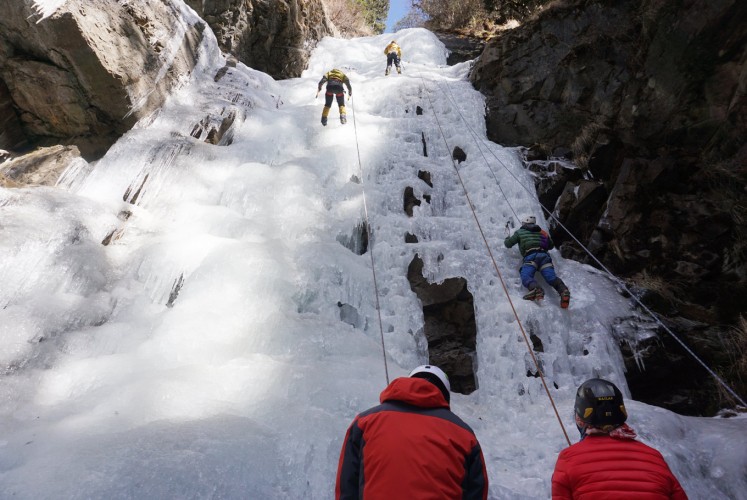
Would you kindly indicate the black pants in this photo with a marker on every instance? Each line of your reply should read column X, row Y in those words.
column 392, row 57
column 332, row 91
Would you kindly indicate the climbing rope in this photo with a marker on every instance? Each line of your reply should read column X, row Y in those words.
column 617, row 280
column 370, row 240
column 495, row 266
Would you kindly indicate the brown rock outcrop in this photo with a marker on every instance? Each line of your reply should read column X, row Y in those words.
column 85, row 74
column 42, row 167
column 449, row 325
column 274, row 36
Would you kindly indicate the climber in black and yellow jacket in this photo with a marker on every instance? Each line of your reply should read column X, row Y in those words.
column 393, row 55
column 335, row 80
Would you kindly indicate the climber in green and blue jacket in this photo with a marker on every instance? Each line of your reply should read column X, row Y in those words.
column 533, row 245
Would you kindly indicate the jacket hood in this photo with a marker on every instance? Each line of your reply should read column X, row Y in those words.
column 414, row 391
column 532, row 227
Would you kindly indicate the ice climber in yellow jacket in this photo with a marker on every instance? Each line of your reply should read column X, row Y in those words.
column 393, row 55
column 335, row 80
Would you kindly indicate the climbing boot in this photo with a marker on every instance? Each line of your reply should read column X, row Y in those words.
column 535, row 294
column 324, row 121
column 399, row 70
column 565, row 298
column 325, row 114
column 386, row 73
column 343, row 119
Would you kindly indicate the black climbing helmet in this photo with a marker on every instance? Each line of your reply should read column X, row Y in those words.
column 599, row 403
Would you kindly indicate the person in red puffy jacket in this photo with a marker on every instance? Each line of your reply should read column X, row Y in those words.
column 608, row 462
column 412, row 446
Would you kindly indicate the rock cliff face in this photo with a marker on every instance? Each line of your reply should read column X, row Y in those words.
column 39, row 168
column 273, row 36
column 85, row 74
column 648, row 101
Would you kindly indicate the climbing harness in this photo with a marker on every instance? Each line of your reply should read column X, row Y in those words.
column 539, row 268
column 498, row 271
column 617, row 280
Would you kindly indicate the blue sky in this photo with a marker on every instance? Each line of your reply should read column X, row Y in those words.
column 397, row 10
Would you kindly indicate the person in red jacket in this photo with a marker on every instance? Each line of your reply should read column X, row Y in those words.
column 608, row 462
column 412, row 446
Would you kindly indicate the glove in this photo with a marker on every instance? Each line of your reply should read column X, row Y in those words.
column 350, row 94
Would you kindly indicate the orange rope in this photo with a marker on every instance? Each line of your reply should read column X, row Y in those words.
column 495, row 266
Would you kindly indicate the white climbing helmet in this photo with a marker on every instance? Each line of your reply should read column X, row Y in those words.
column 438, row 372
column 529, row 219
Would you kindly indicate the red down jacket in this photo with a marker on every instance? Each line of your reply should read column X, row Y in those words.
column 603, row 467
column 411, row 447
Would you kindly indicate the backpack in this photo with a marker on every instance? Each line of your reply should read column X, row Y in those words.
column 336, row 74
column 544, row 240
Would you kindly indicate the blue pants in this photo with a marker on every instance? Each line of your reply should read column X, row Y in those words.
column 543, row 262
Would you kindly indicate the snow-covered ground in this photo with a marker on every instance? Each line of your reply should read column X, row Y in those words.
column 202, row 353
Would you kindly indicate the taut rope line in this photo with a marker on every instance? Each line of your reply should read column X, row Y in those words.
column 617, row 280
column 495, row 266
column 370, row 241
